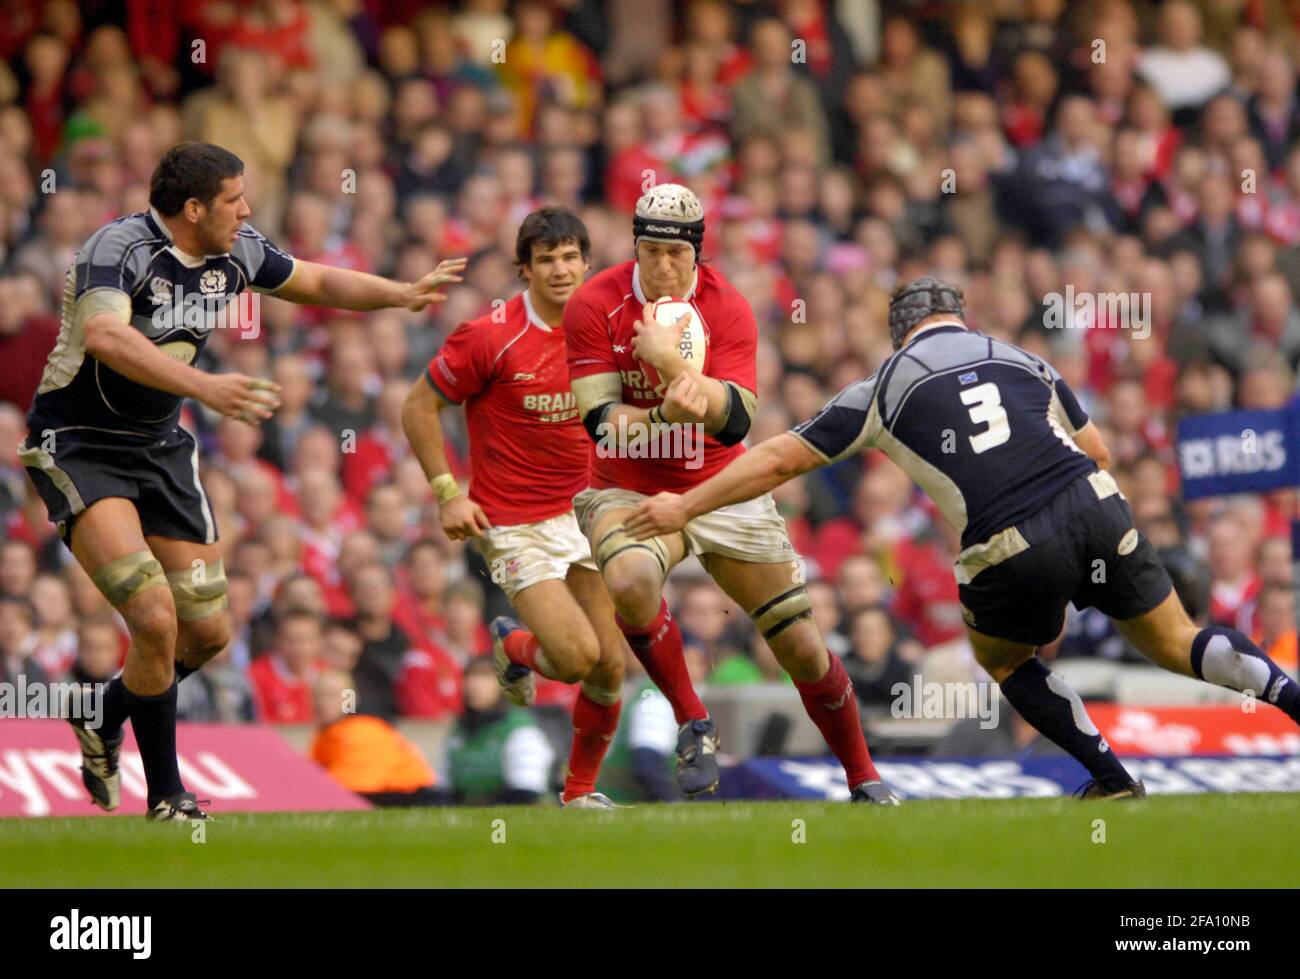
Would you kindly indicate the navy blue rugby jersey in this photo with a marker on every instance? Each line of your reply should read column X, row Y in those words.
column 985, row 428
column 176, row 301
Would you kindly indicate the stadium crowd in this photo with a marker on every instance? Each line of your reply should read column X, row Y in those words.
column 1024, row 149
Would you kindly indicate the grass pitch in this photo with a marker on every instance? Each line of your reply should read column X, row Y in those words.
column 1171, row 841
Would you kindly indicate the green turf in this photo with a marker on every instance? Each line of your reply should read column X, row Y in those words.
column 1209, row 841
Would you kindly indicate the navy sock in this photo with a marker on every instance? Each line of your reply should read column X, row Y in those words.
column 154, row 721
column 1228, row 658
column 1046, row 702
column 113, row 701
column 114, row 705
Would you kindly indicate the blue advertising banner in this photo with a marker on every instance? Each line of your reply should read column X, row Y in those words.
column 983, row 778
column 1239, row 452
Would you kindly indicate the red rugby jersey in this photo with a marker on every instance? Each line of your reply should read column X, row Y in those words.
column 598, row 321
column 528, row 450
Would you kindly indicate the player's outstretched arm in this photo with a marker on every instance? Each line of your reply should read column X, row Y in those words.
column 460, row 516
column 758, row 471
column 323, row 285
column 125, row 350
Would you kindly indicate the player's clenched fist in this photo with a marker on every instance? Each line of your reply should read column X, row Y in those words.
column 251, row 400
column 426, row 290
column 663, row 513
column 462, row 518
column 685, row 401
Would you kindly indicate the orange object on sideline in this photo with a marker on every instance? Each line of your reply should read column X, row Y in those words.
column 367, row 754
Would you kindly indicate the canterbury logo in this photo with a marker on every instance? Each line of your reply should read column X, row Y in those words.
column 1128, row 542
column 1275, row 690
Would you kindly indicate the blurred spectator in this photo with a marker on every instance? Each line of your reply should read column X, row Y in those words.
column 220, row 693
column 543, row 63
column 18, row 641
column 98, row 653
column 1180, row 68
column 366, row 754
column 282, row 679
column 27, row 332
column 773, row 100
column 496, row 754
column 384, row 644
column 877, row 660
column 1234, row 582
column 1275, row 625
column 56, row 634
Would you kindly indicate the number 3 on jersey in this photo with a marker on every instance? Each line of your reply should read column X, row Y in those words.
column 985, row 401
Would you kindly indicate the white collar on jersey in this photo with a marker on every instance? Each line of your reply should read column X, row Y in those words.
column 185, row 258
column 640, row 293
column 533, row 318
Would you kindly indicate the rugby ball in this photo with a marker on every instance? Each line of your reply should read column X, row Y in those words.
column 692, row 346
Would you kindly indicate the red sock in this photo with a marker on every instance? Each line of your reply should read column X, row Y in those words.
column 831, row 704
column 659, row 648
column 594, row 725
column 521, row 647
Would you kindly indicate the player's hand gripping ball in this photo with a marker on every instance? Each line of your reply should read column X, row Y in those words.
column 668, row 326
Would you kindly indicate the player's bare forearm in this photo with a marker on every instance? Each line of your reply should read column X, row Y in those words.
column 424, row 430
column 323, row 285
column 758, row 471
column 127, row 351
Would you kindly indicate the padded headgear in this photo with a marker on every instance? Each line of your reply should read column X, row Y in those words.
column 669, row 212
column 914, row 301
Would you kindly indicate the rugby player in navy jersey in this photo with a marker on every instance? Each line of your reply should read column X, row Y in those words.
column 118, row 474
column 1000, row 443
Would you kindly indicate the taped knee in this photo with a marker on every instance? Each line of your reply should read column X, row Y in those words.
column 782, row 612
column 122, row 579
column 199, row 592
column 616, row 541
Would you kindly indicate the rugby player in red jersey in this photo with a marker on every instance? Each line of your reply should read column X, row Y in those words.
column 528, row 458
column 611, row 333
